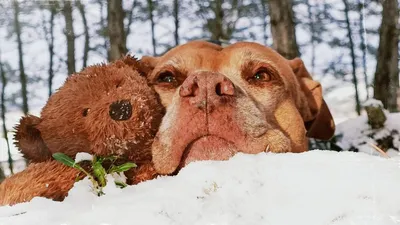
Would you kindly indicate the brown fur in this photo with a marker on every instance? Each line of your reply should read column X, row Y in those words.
column 49, row 179
column 53, row 180
column 85, row 115
column 216, row 107
column 63, row 126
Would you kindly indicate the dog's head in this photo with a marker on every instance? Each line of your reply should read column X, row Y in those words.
column 241, row 98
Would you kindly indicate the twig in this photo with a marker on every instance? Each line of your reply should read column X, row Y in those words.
column 379, row 150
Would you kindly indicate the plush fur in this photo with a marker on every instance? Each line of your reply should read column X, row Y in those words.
column 77, row 118
column 49, row 179
column 241, row 98
column 104, row 110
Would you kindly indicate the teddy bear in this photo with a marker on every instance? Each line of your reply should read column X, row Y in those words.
column 104, row 110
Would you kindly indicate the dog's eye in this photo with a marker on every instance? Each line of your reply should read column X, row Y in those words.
column 260, row 76
column 166, row 77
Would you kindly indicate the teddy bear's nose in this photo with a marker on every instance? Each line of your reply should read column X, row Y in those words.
column 121, row 110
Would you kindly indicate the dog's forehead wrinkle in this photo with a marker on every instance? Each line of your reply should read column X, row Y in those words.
column 256, row 59
column 203, row 60
column 174, row 62
column 190, row 61
column 252, row 55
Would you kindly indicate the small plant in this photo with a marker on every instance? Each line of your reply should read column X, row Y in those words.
column 98, row 174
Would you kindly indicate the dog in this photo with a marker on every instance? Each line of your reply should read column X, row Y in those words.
column 241, row 98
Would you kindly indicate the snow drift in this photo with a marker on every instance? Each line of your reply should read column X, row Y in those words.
column 317, row 187
column 356, row 134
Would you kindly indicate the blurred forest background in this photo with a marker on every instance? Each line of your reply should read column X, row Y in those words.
column 351, row 46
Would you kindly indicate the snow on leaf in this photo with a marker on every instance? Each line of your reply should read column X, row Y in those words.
column 83, row 156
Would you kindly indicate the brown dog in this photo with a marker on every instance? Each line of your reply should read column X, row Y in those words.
column 242, row 98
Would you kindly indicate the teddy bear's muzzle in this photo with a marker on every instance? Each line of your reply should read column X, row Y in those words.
column 121, row 110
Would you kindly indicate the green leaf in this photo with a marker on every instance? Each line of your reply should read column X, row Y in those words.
column 100, row 173
column 110, row 158
column 97, row 159
column 68, row 161
column 64, row 159
column 122, row 168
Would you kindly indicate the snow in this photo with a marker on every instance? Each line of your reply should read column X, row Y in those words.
column 317, row 187
column 357, row 133
column 83, row 156
column 373, row 102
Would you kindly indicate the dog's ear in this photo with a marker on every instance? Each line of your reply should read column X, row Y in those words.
column 29, row 141
column 316, row 115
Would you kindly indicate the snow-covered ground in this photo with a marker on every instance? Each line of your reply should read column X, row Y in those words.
column 357, row 133
column 317, row 187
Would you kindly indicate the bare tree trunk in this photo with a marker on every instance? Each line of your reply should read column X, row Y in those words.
column 312, row 30
column 2, row 175
column 264, row 17
column 353, row 56
column 104, row 28
column 283, row 28
column 387, row 72
column 130, row 19
column 176, row 22
column 50, row 42
column 70, row 34
column 363, row 45
column 116, row 30
column 86, row 47
column 150, row 6
column 221, row 24
column 217, row 31
column 3, row 119
column 22, row 75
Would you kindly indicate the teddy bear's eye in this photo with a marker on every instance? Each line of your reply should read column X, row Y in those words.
column 85, row 112
column 118, row 84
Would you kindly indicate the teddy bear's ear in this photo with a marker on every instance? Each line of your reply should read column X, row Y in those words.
column 29, row 140
column 139, row 66
column 149, row 62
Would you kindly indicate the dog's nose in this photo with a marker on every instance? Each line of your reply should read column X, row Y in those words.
column 120, row 110
column 206, row 90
